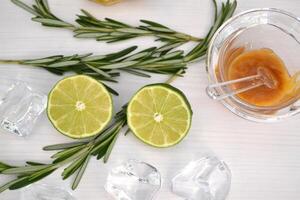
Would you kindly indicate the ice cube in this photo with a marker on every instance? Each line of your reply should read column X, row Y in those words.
column 45, row 192
column 20, row 108
column 133, row 180
column 207, row 179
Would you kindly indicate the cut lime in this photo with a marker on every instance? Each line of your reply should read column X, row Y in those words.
column 160, row 115
column 79, row 106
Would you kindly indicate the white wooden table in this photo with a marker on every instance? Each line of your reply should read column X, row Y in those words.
column 264, row 158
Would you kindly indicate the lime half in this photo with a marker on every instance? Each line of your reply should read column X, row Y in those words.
column 79, row 106
column 160, row 115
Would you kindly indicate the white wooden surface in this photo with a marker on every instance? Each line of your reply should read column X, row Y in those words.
column 264, row 158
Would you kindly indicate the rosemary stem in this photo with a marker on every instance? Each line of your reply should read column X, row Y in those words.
column 184, row 36
column 72, row 28
column 195, row 39
column 192, row 38
column 84, row 151
column 187, row 37
column 10, row 61
column 174, row 77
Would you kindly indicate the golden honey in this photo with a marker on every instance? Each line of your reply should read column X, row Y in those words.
column 240, row 63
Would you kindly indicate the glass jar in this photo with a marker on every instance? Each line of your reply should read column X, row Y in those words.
column 256, row 29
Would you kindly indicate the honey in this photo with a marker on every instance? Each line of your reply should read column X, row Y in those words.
column 240, row 63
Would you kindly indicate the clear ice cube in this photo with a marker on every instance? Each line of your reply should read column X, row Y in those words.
column 45, row 192
column 133, row 180
column 19, row 109
column 206, row 179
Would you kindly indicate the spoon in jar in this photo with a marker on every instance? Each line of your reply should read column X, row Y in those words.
column 264, row 77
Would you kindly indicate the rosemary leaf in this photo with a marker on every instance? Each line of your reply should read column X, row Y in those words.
column 64, row 146
column 55, row 71
column 114, row 74
column 137, row 73
column 4, row 166
column 169, row 62
column 127, row 132
column 102, row 144
column 101, row 153
column 41, row 174
column 22, row 170
column 169, row 46
column 88, row 14
column 112, row 91
column 132, row 30
column 11, row 183
column 121, row 53
column 40, row 61
column 138, row 56
column 41, row 8
column 93, row 29
column 83, row 56
column 63, row 64
column 154, row 24
column 25, row 7
column 34, row 163
column 165, row 37
column 73, row 157
column 45, row 4
column 22, row 182
column 106, row 133
column 109, row 149
column 120, row 24
column 64, row 154
column 123, row 38
column 69, row 58
column 52, row 22
column 216, row 9
column 67, row 152
column 27, row 181
column 72, row 168
column 105, row 38
column 93, row 58
column 80, row 173
column 90, row 35
column 99, row 71
column 120, row 65
column 160, row 29
column 175, row 54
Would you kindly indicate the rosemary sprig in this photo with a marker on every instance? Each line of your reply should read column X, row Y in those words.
column 108, row 30
column 154, row 60
column 107, row 67
column 75, row 155
column 78, row 153
column 111, row 30
column 42, row 13
column 200, row 50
